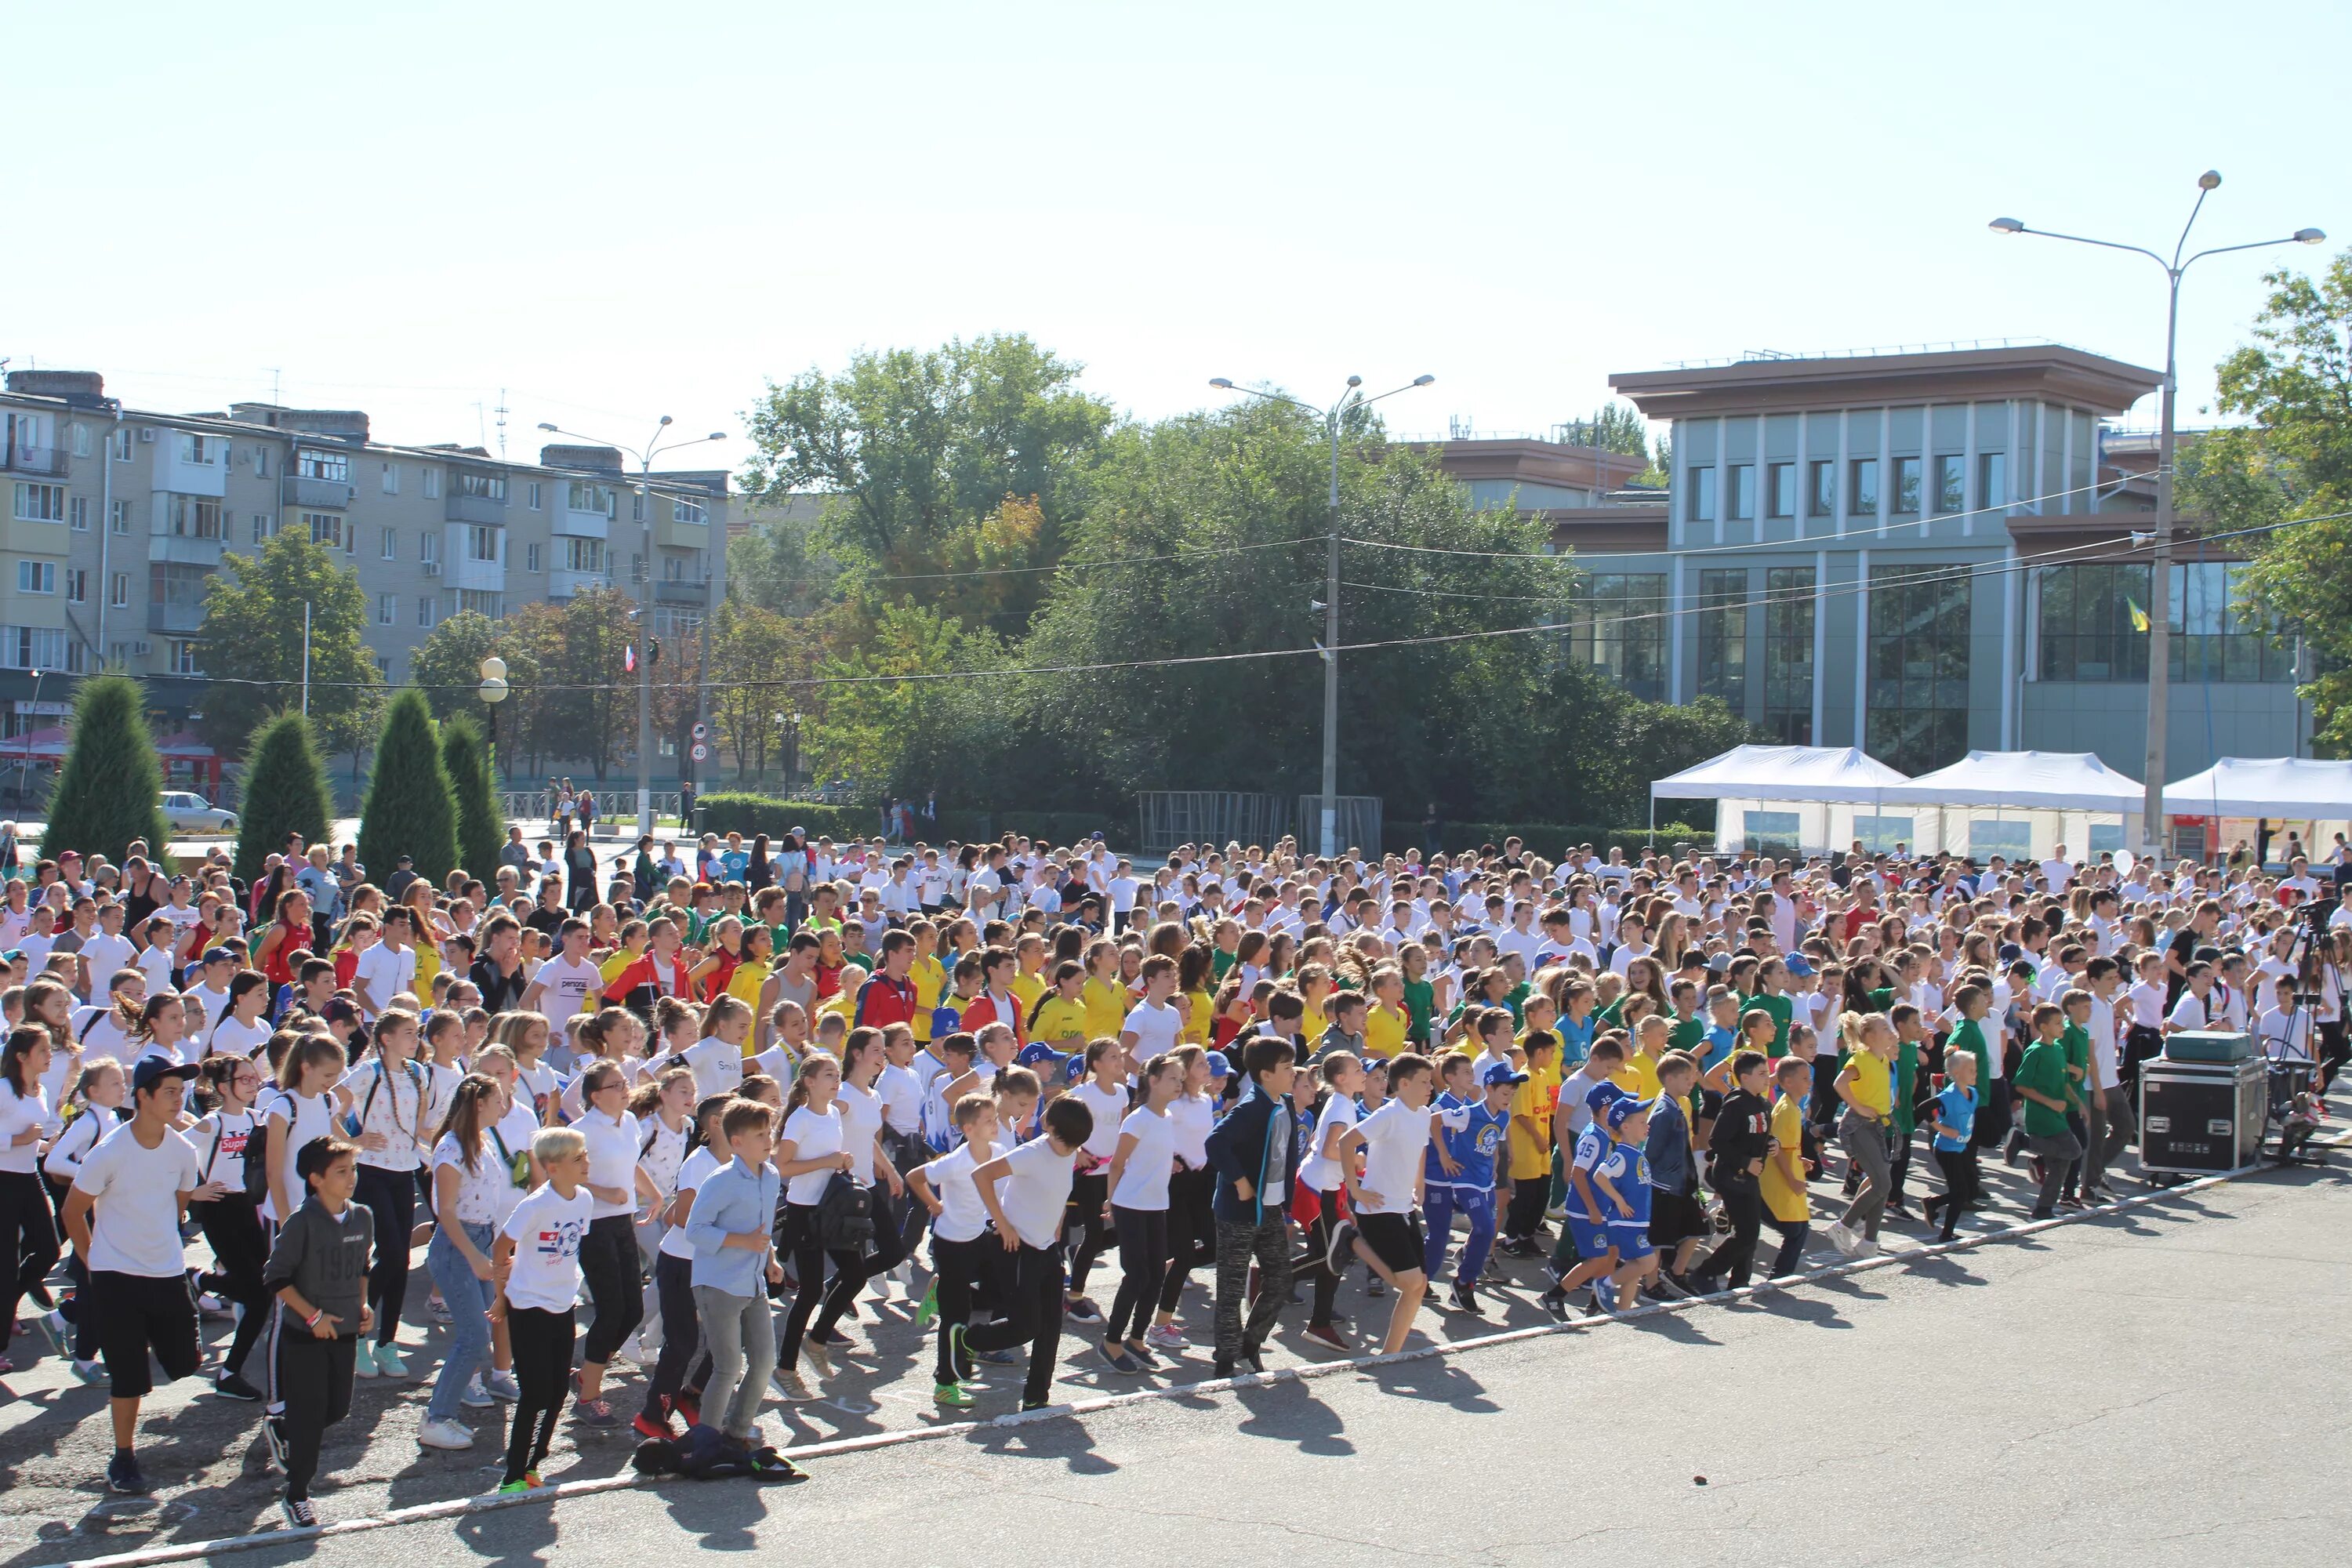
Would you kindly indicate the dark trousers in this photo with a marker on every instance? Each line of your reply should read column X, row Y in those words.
column 1994, row 1111
column 1031, row 1283
column 1525, row 1210
column 1323, row 1283
column 1898, row 1161
column 1143, row 1268
column 1084, row 1230
column 542, row 1341
column 1792, row 1245
column 1734, row 1257
column 232, row 1227
column 681, row 1329
column 958, row 1267
column 809, row 1259
column 314, row 1385
column 391, row 1198
column 1240, row 1244
column 1192, row 1230
column 1962, row 1186
column 28, row 1242
column 608, row 1262
column 2334, row 1050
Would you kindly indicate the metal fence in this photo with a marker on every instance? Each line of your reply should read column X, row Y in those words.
column 1359, row 824
column 1167, row 818
column 533, row 811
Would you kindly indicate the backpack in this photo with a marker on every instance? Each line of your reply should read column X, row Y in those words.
column 256, row 1162
column 844, row 1215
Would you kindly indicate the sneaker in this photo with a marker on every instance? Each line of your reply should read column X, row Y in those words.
column 273, row 1428
column 1864, row 1247
column 1844, row 1240
column 951, row 1394
column 55, row 1329
column 447, row 1435
column 1376, row 1287
column 1464, row 1300
column 388, row 1360
column 88, row 1371
column 1554, row 1301
column 1669, row 1289
column 437, row 1309
column 502, row 1386
column 1219, row 1367
column 650, row 1426
column 1166, row 1337
column 2044, row 1213
column 595, row 1412
column 1328, row 1337
column 819, row 1359
column 1000, row 1358
column 530, row 1483
column 228, row 1385
column 766, row 1461
column 632, row 1350
column 1120, row 1362
column 927, row 1310
column 299, row 1513
column 124, row 1475
column 1342, row 1248
column 1082, row 1310
column 1029, row 1405
column 792, row 1387
column 1556, row 1214
column 363, row 1359
column 475, row 1397
column 212, row 1306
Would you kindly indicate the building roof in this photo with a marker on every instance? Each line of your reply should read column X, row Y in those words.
column 2048, row 371
column 1527, row 461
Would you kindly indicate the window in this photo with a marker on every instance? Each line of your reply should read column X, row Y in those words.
column 487, row 487
column 1789, row 608
column 2093, row 622
column 36, row 577
column 1822, row 498
column 179, row 589
column 2215, row 637
column 1775, row 833
column 80, row 439
column 77, row 658
column 264, row 526
column 531, row 496
column 1617, row 624
column 1723, row 637
column 1992, row 478
column 637, row 507
column 1907, row 485
column 40, row 503
column 1951, row 485
column 388, row 544
column 1743, row 492
column 674, row 568
column 24, row 432
column 425, row 610
column 1918, row 666
column 482, row 603
column 387, row 609
column 179, row 658
column 1880, row 835
column 261, row 462
column 77, row 513
column 530, row 557
column 1862, row 498
column 482, row 543
column 194, row 517
column 334, row 465
column 584, row 554
column 326, row 528
column 117, row 517
column 32, row 648
column 1700, row 507
column 77, row 585
column 432, row 484
column 685, row 509
column 203, row 451
column 121, row 444
column 117, row 591
column 428, row 547
column 583, row 497
column 1781, row 489
column 392, row 478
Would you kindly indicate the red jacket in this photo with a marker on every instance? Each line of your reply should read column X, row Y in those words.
column 984, row 1011
column 882, row 1001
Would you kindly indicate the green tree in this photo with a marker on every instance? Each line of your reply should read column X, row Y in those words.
column 110, row 791
column 776, row 563
column 411, row 805
column 1615, row 427
column 252, row 644
column 474, row 783
column 867, row 728
column 286, row 791
column 755, row 653
column 595, row 714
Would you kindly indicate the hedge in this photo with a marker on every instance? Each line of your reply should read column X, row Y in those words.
column 748, row 813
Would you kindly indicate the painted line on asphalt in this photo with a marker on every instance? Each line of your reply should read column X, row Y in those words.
column 456, row 1507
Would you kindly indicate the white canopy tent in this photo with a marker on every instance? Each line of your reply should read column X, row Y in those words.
column 1832, row 788
column 2038, row 801
column 2237, row 796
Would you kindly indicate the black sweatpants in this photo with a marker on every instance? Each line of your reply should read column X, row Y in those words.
column 681, row 1331
column 1315, row 1262
column 1031, row 1282
column 391, row 1198
column 28, row 1242
column 809, row 1259
column 608, row 1263
column 1734, row 1257
column 232, row 1227
column 314, row 1386
column 1143, row 1268
column 1525, row 1210
column 1240, row 1244
column 958, row 1265
column 1192, row 1230
column 1962, row 1186
column 1084, row 1230
column 542, row 1367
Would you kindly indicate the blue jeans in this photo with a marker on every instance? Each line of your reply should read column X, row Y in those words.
column 470, row 1315
column 1440, row 1202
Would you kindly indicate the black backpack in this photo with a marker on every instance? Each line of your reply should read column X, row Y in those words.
column 844, row 1215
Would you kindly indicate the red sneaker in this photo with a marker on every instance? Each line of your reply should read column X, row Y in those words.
column 647, row 1425
column 687, row 1408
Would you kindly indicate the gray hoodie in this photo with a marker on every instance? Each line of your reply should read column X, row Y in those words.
column 325, row 1259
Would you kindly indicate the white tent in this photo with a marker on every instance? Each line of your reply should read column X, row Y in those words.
column 2290, row 788
column 2054, row 781
column 1834, row 781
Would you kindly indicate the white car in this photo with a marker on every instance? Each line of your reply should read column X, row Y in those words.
column 190, row 813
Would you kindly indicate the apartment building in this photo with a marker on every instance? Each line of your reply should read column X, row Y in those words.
column 117, row 517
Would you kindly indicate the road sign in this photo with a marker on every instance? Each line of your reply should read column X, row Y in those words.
column 702, row 731
column 701, row 753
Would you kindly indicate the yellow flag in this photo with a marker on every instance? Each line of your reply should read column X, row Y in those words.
column 2138, row 616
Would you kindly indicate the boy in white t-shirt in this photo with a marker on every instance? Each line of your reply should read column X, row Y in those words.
column 1025, row 1192
column 538, row 1255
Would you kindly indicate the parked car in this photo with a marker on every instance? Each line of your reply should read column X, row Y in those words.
column 190, row 813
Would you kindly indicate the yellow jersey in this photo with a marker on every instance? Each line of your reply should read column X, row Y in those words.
column 1873, row 1082
column 1638, row 1076
column 745, row 982
column 1783, row 1202
column 1532, row 1152
column 1026, row 990
column 1202, row 1006
column 1384, row 1029
column 931, row 978
column 1058, row 1020
column 1105, row 1007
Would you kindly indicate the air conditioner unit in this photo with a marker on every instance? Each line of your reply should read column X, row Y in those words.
column 433, row 568
column 147, row 434
column 141, row 648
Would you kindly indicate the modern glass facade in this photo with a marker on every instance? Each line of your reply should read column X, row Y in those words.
column 1617, row 624
column 1918, row 666
column 1788, row 611
column 1722, row 637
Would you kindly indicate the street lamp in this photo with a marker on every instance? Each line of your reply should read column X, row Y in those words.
column 1351, row 398
column 653, row 448
column 493, row 691
column 2159, row 641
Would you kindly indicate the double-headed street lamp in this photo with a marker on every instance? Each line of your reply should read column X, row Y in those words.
column 2159, row 641
column 1350, row 399
column 653, row 448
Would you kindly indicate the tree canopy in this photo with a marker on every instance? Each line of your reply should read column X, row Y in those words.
column 252, row 644
column 110, row 788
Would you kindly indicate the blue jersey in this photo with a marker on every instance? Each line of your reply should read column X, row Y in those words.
column 1575, row 1039
column 1592, row 1146
column 1430, row 1169
column 1476, row 1147
column 1715, row 1046
column 1628, row 1170
column 1956, row 1107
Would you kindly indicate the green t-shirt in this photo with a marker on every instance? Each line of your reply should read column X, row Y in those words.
column 1782, row 1013
column 1906, row 1086
column 2075, row 1040
column 1969, row 1035
column 2043, row 1068
column 1221, row 962
column 1421, row 1006
column 1685, row 1034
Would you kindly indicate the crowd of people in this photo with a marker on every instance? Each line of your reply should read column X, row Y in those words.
column 697, row 1121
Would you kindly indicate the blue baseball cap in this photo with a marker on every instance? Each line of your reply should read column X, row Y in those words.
column 1602, row 1095
column 1037, row 1052
column 1496, row 1072
column 1625, row 1110
column 1220, row 1066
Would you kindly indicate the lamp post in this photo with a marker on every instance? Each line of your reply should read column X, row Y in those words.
column 493, row 691
column 2159, row 641
column 645, row 582
column 1351, row 399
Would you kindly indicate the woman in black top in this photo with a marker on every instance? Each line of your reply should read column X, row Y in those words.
column 757, row 873
column 580, row 871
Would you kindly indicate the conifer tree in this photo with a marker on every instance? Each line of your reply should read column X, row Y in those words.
column 110, row 791
column 286, row 791
column 481, row 819
column 410, row 808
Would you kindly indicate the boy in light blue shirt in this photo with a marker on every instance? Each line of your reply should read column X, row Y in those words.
column 730, row 1228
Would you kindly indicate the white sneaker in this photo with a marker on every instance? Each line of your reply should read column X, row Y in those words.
column 1844, row 1240
column 445, row 1435
column 1866, row 1248
column 1166, row 1337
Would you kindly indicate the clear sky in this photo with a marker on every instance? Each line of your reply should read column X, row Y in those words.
column 619, row 211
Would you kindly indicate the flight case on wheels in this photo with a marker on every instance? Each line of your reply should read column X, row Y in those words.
column 2202, row 1106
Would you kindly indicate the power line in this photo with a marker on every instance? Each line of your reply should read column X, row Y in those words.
column 1088, row 565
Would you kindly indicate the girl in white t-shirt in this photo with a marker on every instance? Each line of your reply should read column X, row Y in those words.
column 241, row 1030
column 471, row 1184
column 1324, row 1174
column 299, row 1110
column 1140, row 1169
column 808, row 1151
column 666, row 1393
column 226, row 1136
column 28, row 1235
column 539, row 1248
column 1191, row 1194
column 862, row 1117
column 1103, row 1094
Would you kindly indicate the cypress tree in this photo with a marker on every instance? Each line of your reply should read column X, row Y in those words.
column 286, row 791
column 110, row 789
column 481, row 820
column 410, row 808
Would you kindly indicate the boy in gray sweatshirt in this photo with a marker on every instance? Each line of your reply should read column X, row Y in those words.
column 318, row 1272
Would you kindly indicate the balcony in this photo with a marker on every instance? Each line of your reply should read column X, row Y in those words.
column 48, row 462
column 565, row 585
column 476, row 509
column 670, row 592
column 320, row 495
column 483, row 577
column 673, row 534
column 578, row 524
column 175, row 620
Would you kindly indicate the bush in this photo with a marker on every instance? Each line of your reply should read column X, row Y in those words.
column 748, row 813
column 481, row 818
column 1057, row 827
column 410, row 808
column 1547, row 840
column 110, row 791
column 286, row 791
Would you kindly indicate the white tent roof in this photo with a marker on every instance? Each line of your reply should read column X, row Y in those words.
column 2266, row 786
column 2057, row 781
column 1782, row 772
